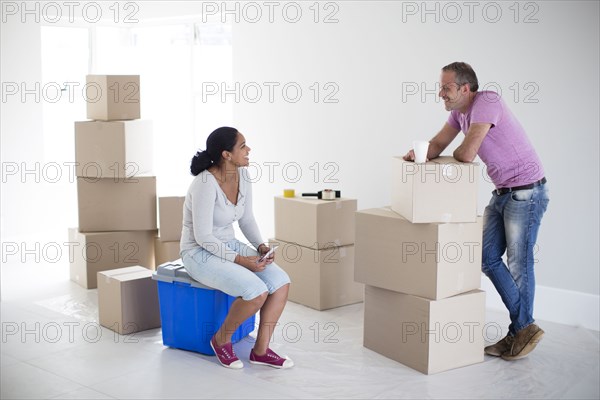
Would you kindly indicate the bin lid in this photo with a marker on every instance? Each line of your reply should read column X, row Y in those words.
column 174, row 271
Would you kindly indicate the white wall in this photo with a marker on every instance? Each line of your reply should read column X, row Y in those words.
column 371, row 53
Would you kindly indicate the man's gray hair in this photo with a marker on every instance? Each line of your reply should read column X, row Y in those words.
column 464, row 74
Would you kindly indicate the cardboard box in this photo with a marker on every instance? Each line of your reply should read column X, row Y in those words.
column 314, row 223
column 124, row 204
column 165, row 251
column 170, row 214
column 112, row 97
column 128, row 300
column 428, row 260
column 99, row 251
column 321, row 279
column 113, row 149
column 190, row 312
column 441, row 190
column 428, row 335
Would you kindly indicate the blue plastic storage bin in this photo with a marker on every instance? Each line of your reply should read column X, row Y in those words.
column 190, row 312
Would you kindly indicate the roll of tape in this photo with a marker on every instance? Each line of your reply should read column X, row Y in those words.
column 289, row 193
column 328, row 194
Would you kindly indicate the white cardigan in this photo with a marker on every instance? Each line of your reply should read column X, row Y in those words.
column 208, row 216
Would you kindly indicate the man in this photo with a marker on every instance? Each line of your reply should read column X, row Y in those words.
column 514, row 214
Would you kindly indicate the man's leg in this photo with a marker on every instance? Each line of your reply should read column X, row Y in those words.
column 522, row 217
column 494, row 246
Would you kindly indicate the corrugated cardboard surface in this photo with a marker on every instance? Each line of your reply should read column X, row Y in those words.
column 100, row 251
column 170, row 214
column 321, row 279
column 128, row 300
column 428, row 335
column 165, row 251
column 113, row 149
column 441, row 190
column 429, row 260
column 314, row 223
column 113, row 97
column 108, row 204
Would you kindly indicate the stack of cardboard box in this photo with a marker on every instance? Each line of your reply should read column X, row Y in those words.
column 170, row 214
column 421, row 262
column 116, row 193
column 316, row 249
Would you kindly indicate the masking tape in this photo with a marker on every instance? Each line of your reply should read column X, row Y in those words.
column 328, row 194
column 289, row 193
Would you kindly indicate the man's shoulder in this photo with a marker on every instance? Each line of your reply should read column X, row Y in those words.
column 487, row 96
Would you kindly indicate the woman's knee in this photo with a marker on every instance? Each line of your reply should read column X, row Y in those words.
column 284, row 288
column 259, row 300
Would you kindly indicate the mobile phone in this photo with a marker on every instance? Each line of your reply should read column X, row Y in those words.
column 267, row 254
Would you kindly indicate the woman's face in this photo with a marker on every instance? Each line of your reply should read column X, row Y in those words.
column 240, row 153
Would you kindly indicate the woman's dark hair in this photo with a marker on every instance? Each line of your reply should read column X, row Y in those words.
column 221, row 139
column 464, row 74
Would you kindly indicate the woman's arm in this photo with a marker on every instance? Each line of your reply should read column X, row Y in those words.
column 202, row 206
column 247, row 222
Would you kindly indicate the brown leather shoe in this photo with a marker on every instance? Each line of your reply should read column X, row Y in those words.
column 500, row 348
column 524, row 342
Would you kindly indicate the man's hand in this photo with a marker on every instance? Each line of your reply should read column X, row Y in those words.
column 436, row 145
column 410, row 156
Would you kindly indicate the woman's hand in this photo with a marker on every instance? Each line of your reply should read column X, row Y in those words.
column 251, row 263
column 264, row 249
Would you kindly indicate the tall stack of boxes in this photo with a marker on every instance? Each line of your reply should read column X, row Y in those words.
column 170, row 217
column 420, row 260
column 316, row 249
column 115, row 189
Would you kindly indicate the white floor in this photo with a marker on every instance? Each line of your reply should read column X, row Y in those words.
column 52, row 347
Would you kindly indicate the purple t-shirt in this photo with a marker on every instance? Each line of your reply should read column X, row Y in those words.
column 508, row 154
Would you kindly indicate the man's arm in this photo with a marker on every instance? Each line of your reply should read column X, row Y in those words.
column 468, row 149
column 438, row 144
column 440, row 141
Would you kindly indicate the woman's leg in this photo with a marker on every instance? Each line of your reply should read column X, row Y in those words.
column 239, row 312
column 277, row 283
column 233, row 279
column 269, row 315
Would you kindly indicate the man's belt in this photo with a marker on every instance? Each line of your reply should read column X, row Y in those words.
column 502, row 191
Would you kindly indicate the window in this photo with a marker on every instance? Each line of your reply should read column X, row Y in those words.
column 173, row 60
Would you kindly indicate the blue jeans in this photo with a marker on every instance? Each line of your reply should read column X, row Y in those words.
column 510, row 224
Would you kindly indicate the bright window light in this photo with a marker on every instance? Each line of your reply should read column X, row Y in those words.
column 173, row 59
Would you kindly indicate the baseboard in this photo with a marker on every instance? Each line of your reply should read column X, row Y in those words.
column 555, row 305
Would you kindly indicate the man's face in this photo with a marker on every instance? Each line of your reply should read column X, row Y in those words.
column 454, row 96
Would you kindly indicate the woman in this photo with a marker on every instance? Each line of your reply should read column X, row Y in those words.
column 219, row 195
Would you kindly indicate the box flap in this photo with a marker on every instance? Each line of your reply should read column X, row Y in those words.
column 121, row 271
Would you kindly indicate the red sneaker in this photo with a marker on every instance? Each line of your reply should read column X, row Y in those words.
column 226, row 355
column 271, row 359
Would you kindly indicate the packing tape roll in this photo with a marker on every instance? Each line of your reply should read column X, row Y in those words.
column 328, row 194
column 289, row 193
